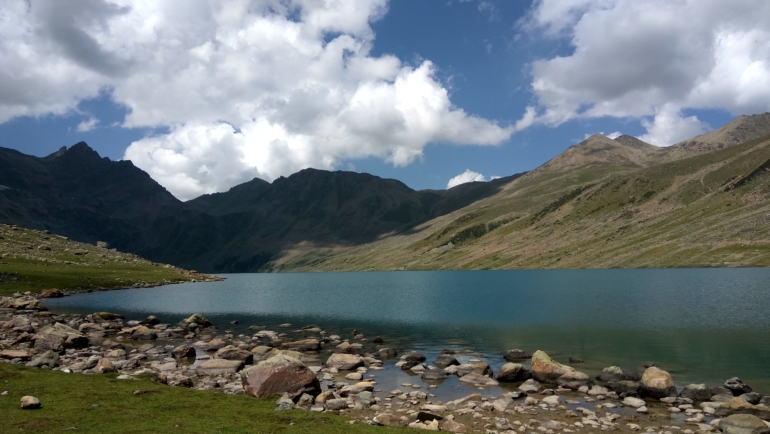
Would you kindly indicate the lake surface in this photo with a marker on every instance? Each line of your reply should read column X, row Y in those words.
column 702, row 325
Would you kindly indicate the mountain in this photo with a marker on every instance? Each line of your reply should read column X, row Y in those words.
column 78, row 194
column 602, row 203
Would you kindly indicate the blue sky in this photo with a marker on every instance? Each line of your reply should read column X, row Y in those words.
column 508, row 84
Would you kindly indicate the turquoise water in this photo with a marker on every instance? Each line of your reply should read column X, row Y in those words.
column 703, row 325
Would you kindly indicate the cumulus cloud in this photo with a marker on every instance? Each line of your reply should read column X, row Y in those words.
column 260, row 88
column 651, row 60
column 467, row 176
column 87, row 125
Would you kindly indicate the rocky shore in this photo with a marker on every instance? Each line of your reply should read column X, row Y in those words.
column 310, row 369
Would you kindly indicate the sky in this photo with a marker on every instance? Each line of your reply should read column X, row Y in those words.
column 205, row 95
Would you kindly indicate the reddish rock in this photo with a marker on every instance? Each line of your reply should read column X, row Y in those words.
column 280, row 374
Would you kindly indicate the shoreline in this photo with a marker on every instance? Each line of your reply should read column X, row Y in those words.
column 212, row 359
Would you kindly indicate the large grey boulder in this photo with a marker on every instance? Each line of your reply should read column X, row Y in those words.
column 59, row 337
column 743, row 424
column 280, row 374
column 737, row 387
column 198, row 319
column 479, row 368
column 49, row 359
column 696, row 392
column 547, row 370
column 231, row 352
column 345, row 362
column 739, row 406
column 444, row 360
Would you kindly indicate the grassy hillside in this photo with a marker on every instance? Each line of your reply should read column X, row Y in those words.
column 709, row 210
column 32, row 260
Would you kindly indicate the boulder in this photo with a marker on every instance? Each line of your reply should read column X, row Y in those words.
column 696, row 392
column 52, row 293
column 30, row 403
column 15, row 354
column 454, row 427
column 355, row 389
column 739, row 406
column 197, row 318
column 434, row 374
column 183, row 351
column 479, row 368
column 516, row 355
column 743, row 424
column 152, row 320
column 737, row 387
column 478, row 380
column 280, row 374
column 49, row 359
column 387, row 353
column 106, row 316
column 547, row 370
column 345, row 348
column 345, row 362
column 141, row 333
column 336, row 404
column 389, row 419
column 219, row 367
column 530, row 386
column 59, row 337
column 625, row 387
column 657, row 383
column 513, row 373
column 414, row 356
column 231, row 352
column 444, row 360
column 634, row 402
column 104, row 366
column 752, row 397
column 24, row 302
column 324, row 396
column 214, row 345
column 302, row 345
column 613, row 374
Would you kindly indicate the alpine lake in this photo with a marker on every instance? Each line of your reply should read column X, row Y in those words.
column 701, row 325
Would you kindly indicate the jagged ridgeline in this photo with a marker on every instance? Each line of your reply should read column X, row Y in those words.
column 601, row 203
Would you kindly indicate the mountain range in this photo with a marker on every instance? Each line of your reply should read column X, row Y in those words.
column 601, row 203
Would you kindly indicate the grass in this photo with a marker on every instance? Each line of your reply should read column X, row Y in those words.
column 21, row 274
column 102, row 404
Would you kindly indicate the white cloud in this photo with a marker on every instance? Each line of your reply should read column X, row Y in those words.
column 650, row 60
column 265, row 87
column 493, row 177
column 467, row 176
column 613, row 136
column 87, row 125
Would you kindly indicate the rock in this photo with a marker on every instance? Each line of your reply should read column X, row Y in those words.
column 51, row 293
column 388, row 419
column 345, row 362
column 743, row 424
column 366, row 398
column 336, row 404
column 597, row 390
column 625, row 387
column 739, row 406
column 58, row 338
column 345, row 348
column 479, row 368
column 424, row 416
column 657, row 383
column 219, row 367
column 434, row 374
column 513, row 373
column 104, row 366
column 197, row 318
column 183, row 351
column 752, row 397
column 15, row 354
column 302, row 345
column 414, row 356
column 324, row 396
column 261, row 350
column 354, row 376
column 387, row 353
column 106, row 316
column 444, row 360
column 49, row 359
column 280, row 374
column 407, row 365
column 305, row 401
column 633, row 402
column 530, row 386
column 516, row 355
column 152, row 320
column 141, row 333
column 102, row 244
column 354, row 389
column 696, row 392
column 22, row 303
column 502, row 423
column 455, row 427
column 547, row 370
column 478, row 380
column 552, row 400
column 573, row 359
column 215, row 345
column 378, row 340
column 614, row 374
column 737, row 387
column 30, row 403
column 231, row 352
